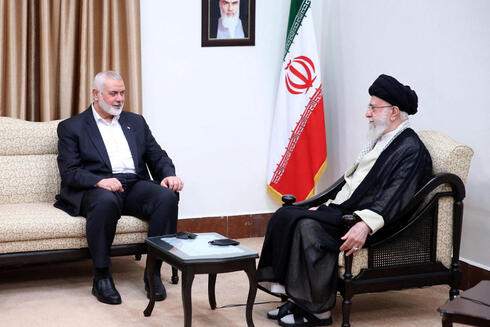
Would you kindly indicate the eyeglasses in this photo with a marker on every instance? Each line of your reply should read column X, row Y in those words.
column 374, row 108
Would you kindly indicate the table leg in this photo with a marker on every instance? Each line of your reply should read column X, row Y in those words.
column 446, row 321
column 252, row 291
column 211, row 291
column 187, row 279
column 150, row 266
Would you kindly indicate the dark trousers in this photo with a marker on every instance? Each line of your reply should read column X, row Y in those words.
column 143, row 199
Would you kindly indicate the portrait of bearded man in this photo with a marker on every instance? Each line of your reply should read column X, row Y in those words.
column 229, row 19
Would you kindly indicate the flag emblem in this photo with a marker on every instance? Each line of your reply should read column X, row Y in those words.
column 299, row 75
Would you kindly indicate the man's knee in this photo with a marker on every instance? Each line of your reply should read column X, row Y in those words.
column 167, row 197
column 103, row 201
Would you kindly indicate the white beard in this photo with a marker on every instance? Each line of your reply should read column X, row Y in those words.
column 377, row 128
column 230, row 22
column 109, row 108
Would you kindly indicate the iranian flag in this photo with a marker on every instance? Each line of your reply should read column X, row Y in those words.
column 298, row 152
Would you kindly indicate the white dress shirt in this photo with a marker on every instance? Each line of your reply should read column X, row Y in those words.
column 116, row 144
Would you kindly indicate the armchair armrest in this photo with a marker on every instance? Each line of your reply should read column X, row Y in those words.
column 350, row 220
column 318, row 199
column 288, row 200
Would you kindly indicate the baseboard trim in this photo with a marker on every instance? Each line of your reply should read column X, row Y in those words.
column 472, row 275
column 240, row 226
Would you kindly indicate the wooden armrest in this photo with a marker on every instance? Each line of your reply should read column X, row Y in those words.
column 288, row 200
column 350, row 220
column 318, row 199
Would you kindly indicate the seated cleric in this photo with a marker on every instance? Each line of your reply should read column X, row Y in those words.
column 103, row 157
column 301, row 247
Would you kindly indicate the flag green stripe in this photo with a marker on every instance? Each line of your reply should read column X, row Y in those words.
column 297, row 12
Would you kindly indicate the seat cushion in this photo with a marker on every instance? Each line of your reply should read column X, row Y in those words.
column 40, row 226
column 359, row 262
column 37, row 221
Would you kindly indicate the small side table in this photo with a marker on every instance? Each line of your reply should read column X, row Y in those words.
column 472, row 307
column 196, row 256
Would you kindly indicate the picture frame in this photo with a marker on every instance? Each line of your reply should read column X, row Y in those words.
column 214, row 32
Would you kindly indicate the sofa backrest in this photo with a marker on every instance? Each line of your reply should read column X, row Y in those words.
column 28, row 168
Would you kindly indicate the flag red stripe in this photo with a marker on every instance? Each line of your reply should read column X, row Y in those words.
column 308, row 156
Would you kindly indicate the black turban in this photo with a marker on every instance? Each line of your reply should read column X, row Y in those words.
column 395, row 93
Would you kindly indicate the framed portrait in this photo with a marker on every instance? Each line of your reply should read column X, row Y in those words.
column 228, row 23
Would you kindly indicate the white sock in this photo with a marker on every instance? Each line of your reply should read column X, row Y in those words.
column 289, row 319
column 278, row 288
column 323, row 315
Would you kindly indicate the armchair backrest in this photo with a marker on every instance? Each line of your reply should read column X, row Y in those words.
column 448, row 156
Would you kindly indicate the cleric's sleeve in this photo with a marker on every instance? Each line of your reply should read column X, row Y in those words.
column 372, row 219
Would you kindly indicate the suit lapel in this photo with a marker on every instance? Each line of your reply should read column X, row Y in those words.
column 96, row 138
column 129, row 131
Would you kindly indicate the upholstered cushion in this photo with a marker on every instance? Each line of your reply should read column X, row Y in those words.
column 359, row 262
column 28, row 178
column 19, row 137
column 36, row 221
column 41, row 245
column 28, row 168
column 42, row 221
column 447, row 156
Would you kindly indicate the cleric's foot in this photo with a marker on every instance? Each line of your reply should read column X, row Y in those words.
column 105, row 291
column 302, row 318
column 281, row 311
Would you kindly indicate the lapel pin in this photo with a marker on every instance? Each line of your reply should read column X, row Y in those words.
column 129, row 127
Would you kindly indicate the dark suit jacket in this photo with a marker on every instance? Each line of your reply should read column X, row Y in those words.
column 83, row 158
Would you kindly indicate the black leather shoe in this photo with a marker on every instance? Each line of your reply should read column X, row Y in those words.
column 105, row 291
column 160, row 292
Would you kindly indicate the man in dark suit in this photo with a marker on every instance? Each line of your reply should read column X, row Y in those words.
column 103, row 157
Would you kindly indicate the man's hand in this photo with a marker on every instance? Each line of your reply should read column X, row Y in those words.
column 355, row 238
column 110, row 184
column 173, row 182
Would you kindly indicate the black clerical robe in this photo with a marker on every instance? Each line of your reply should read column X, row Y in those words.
column 303, row 256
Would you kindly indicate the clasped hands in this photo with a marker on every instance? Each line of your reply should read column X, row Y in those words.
column 114, row 185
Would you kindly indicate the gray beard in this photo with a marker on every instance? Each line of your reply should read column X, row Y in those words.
column 108, row 108
column 377, row 128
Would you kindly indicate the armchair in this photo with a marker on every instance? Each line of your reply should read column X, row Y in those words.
column 425, row 251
